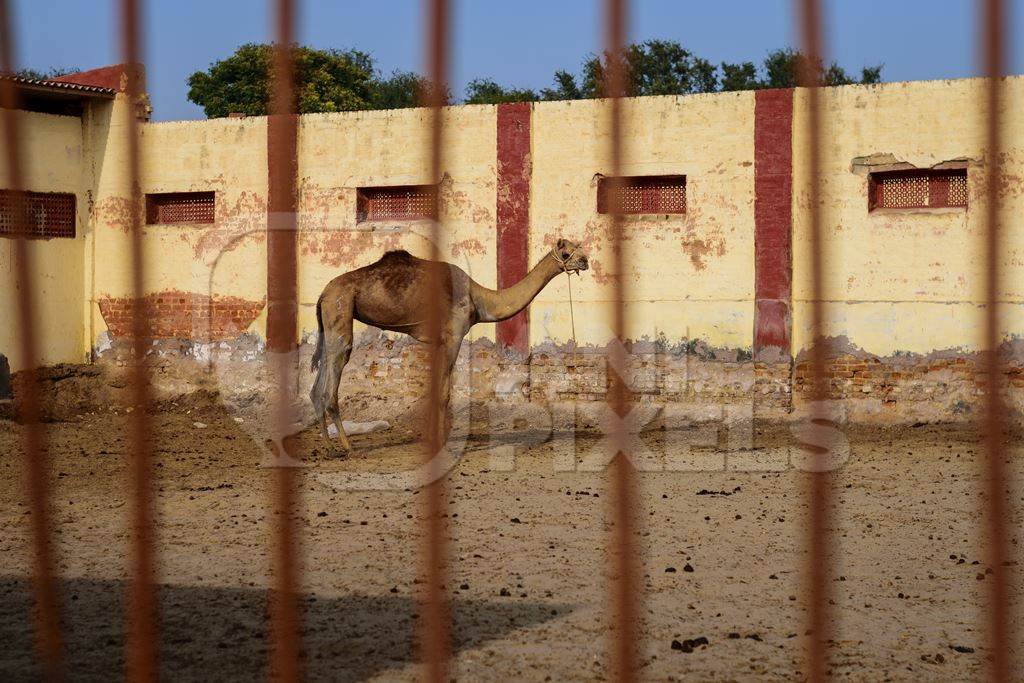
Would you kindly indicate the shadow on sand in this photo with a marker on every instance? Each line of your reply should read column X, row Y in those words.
column 220, row 633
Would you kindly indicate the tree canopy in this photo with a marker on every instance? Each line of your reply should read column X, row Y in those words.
column 664, row 67
column 325, row 81
column 44, row 74
column 345, row 80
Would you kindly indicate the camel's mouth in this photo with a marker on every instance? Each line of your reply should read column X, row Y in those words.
column 571, row 261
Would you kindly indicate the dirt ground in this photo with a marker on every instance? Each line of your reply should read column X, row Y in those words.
column 722, row 554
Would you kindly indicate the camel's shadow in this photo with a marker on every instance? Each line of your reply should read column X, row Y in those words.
column 221, row 633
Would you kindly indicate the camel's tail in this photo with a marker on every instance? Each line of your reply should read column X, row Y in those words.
column 318, row 394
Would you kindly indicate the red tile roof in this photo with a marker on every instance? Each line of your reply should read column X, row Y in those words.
column 58, row 85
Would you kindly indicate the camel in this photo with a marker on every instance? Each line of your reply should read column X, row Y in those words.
column 392, row 294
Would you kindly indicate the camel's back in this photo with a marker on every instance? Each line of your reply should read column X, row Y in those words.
column 393, row 289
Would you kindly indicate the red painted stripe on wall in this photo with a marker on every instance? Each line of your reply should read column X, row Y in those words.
column 773, row 221
column 513, row 214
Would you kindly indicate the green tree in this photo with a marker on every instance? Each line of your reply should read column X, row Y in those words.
column 486, row 91
column 403, row 89
column 44, row 74
column 783, row 69
column 655, row 67
column 870, row 75
column 739, row 77
column 325, row 81
column 565, row 88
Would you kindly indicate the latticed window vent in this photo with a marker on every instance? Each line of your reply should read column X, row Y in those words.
column 180, row 207
column 642, row 194
column 45, row 214
column 918, row 189
column 400, row 202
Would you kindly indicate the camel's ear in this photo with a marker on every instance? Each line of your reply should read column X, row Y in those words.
column 561, row 244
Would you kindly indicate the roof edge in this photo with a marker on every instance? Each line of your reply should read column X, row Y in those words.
column 113, row 77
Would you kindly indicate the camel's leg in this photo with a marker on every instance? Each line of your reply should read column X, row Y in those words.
column 450, row 353
column 337, row 350
column 338, row 358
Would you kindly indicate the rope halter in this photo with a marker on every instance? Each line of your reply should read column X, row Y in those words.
column 564, row 262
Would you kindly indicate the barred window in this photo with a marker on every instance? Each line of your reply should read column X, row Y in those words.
column 180, row 207
column 399, row 202
column 642, row 194
column 917, row 189
column 46, row 214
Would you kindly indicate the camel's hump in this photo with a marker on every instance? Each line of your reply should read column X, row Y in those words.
column 401, row 254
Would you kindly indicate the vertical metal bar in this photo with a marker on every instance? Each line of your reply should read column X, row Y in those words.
column 436, row 638
column 142, row 628
column 819, row 556
column 998, row 608
column 624, row 587
column 282, row 317
column 47, row 611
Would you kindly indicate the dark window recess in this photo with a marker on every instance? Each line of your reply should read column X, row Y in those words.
column 46, row 214
column 917, row 189
column 642, row 194
column 400, row 202
column 180, row 207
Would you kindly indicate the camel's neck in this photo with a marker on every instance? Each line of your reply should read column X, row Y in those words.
column 492, row 306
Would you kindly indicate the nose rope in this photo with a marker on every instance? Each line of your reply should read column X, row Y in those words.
column 572, row 315
column 572, row 322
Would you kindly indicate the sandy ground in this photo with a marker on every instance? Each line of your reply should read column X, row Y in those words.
column 721, row 551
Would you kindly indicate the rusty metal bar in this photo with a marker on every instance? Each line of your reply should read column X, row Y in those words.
column 141, row 641
column 436, row 622
column 624, row 586
column 47, row 610
column 282, row 318
column 997, row 505
column 819, row 616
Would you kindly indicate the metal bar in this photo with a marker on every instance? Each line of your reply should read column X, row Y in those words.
column 436, row 622
column 624, row 586
column 819, row 542
column 141, row 642
column 997, row 504
column 282, row 318
column 47, row 611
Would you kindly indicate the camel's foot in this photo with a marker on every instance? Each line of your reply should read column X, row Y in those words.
column 340, row 452
column 335, row 430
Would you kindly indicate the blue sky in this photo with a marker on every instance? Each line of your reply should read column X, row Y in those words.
column 516, row 42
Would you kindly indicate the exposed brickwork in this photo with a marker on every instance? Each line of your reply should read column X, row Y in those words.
column 956, row 381
column 773, row 220
column 889, row 390
column 551, row 374
column 388, row 373
column 182, row 315
column 513, row 207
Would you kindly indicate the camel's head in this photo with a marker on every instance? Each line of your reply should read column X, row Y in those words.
column 570, row 256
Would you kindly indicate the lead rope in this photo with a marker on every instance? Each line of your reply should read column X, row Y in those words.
column 572, row 321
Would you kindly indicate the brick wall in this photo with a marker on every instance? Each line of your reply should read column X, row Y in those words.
column 183, row 315
column 956, row 383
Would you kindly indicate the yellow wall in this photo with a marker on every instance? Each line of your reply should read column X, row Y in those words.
column 897, row 281
column 52, row 162
column 688, row 276
column 339, row 153
column 905, row 280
